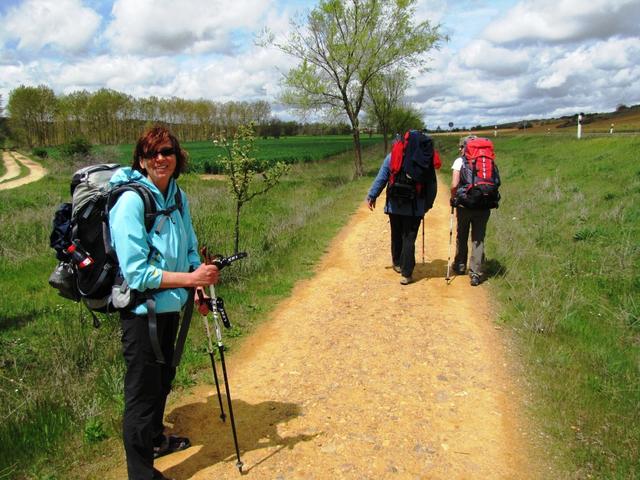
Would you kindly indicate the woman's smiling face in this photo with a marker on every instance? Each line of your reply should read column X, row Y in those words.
column 160, row 165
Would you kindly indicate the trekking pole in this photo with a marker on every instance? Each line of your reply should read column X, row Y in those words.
column 216, row 305
column 450, row 241
column 423, row 240
column 223, row 417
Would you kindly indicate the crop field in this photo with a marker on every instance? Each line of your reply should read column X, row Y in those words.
column 203, row 156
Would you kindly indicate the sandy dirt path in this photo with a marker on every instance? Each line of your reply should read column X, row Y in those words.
column 357, row 377
column 36, row 171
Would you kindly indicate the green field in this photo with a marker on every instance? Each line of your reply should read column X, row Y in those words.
column 203, row 156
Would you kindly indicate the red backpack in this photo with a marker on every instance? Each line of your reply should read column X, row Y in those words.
column 479, row 177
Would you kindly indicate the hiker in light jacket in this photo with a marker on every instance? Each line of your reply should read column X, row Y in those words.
column 468, row 220
column 158, row 261
column 404, row 218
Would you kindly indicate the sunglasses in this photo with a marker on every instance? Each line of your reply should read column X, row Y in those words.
column 165, row 152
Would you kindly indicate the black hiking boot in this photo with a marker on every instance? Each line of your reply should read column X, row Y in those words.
column 459, row 268
column 475, row 280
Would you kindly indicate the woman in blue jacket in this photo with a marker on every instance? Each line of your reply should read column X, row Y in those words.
column 165, row 261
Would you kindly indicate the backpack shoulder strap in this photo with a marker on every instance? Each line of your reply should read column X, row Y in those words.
column 150, row 208
column 178, row 200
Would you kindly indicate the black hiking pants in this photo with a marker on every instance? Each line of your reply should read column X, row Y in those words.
column 404, row 231
column 146, row 386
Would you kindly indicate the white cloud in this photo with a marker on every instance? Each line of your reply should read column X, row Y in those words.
column 560, row 21
column 498, row 61
column 118, row 73
column 154, row 27
column 64, row 25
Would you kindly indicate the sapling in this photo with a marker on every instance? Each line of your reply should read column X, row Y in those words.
column 248, row 176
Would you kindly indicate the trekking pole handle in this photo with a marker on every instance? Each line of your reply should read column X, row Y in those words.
column 222, row 262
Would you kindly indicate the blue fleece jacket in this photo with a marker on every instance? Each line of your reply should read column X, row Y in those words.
column 175, row 247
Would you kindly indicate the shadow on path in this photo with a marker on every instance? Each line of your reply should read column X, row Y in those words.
column 256, row 426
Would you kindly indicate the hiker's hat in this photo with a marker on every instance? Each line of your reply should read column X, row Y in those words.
column 463, row 140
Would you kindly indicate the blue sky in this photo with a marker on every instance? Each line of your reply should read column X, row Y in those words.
column 506, row 59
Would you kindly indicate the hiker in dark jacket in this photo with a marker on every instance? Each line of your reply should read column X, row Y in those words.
column 404, row 218
column 166, row 262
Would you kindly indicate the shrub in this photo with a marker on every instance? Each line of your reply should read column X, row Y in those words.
column 40, row 152
column 76, row 146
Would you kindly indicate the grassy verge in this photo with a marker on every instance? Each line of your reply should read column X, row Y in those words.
column 564, row 252
column 61, row 380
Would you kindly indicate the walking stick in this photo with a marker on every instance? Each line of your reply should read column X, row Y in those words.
column 216, row 305
column 450, row 240
column 223, row 417
column 423, row 240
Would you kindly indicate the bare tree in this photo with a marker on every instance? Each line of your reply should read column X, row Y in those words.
column 343, row 45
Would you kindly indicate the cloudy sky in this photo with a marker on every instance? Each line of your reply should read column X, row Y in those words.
column 505, row 59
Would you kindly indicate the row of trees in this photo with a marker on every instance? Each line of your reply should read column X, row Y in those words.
column 37, row 116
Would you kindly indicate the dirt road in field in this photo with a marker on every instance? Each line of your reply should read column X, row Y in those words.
column 10, row 180
column 358, row 377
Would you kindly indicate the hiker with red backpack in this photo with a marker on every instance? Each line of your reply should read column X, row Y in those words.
column 474, row 192
column 163, row 264
column 408, row 173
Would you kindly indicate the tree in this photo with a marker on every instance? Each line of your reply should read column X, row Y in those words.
column 242, row 168
column 403, row 118
column 32, row 111
column 384, row 93
column 343, row 46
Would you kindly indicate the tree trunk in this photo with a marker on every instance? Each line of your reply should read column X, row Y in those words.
column 358, row 170
column 385, row 135
column 237, row 228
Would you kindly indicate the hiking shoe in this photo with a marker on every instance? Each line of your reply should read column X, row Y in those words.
column 475, row 280
column 459, row 268
column 397, row 268
column 406, row 280
column 171, row 444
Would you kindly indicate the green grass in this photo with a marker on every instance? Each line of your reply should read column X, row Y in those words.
column 61, row 379
column 564, row 252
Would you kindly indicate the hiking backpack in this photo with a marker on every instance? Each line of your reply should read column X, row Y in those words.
column 413, row 160
column 479, row 176
column 88, row 268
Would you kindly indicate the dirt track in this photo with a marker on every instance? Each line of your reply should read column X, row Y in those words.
column 358, row 377
column 10, row 180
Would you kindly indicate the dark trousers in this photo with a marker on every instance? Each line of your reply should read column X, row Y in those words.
column 146, row 386
column 404, row 231
column 476, row 220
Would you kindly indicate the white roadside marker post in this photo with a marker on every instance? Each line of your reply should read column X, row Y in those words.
column 580, row 126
